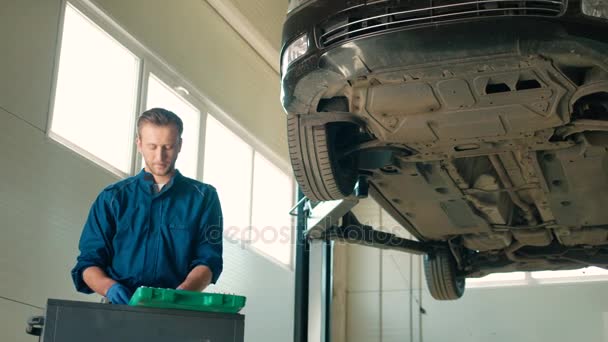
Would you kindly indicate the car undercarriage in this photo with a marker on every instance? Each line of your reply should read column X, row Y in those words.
column 494, row 143
column 495, row 165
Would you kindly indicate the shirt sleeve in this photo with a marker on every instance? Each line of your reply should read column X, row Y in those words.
column 96, row 241
column 209, row 247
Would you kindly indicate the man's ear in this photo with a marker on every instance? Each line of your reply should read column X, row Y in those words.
column 179, row 147
column 138, row 143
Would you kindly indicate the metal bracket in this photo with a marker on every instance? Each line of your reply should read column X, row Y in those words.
column 353, row 231
column 35, row 325
column 327, row 214
column 323, row 222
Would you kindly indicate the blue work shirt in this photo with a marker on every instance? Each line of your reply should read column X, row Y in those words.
column 141, row 237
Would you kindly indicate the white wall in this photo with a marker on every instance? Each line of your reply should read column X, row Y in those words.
column 46, row 189
column 549, row 312
column 384, row 305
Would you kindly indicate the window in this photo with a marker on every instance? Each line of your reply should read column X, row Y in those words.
column 96, row 94
column 228, row 168
column 256, row 195
column 539, row 277
column 498, row 279
column 161, row 95
column 271, row 223
column 590, row 273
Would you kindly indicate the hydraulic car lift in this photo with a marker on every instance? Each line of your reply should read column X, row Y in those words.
column 318, row 226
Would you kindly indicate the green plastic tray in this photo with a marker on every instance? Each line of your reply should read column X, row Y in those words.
column 186, row 300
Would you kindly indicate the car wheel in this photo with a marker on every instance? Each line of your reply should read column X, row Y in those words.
column 441, row 276
column 317, row 166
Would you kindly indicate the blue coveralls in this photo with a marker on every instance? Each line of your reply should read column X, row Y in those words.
column 143, row 238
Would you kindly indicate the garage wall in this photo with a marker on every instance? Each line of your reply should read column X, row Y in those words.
column 387, row 300
column 549, row 312
column 46, row 189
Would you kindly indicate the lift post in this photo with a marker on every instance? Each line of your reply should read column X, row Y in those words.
column 318, row 226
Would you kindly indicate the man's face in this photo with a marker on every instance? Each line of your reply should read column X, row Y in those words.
column 159, row 145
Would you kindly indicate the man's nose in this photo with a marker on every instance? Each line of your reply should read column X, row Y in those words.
column 163, row 154
column 158, row 154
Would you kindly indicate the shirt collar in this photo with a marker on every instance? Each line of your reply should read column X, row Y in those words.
column 146, row 180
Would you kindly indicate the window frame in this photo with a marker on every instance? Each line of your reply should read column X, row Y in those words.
column 175, row 82
column 149, row 63
column 99, row 19
column 242, row 243
column 292, row 220
column 272, row 157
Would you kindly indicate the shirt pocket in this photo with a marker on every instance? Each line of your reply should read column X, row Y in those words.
column 179, row 237
column 179, row 233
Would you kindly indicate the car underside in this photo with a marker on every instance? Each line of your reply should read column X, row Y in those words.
column 490, row 136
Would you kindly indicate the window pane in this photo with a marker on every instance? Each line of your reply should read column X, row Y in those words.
column 272, row 228
column 228, row 162
column 161, row 95
column 579, row 273
column 498, row 279
column 96, row 93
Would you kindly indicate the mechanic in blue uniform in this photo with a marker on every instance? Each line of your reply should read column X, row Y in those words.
column 157, row 229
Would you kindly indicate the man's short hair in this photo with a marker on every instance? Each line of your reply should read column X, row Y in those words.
column 160, row 117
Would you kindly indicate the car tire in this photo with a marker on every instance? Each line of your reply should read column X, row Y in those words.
column 442, row 277
column 313, row 154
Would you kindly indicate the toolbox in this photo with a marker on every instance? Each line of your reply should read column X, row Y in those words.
column 73, row 321
column 187, row 300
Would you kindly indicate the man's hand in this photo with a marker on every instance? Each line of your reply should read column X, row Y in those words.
column 197, row 280
column 119, row 294
column 97, row 280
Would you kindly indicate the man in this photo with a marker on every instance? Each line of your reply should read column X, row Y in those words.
column 157, row 229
